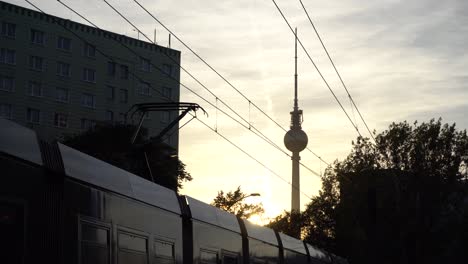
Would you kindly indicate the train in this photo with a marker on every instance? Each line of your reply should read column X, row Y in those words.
column 59, row 205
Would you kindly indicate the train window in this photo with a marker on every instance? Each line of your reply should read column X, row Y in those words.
column 12, row 233
column 133, row 248
column 164, row 248
column 94, row 235
column 229, row 258
column 208, row 256
column 94, row 241
column 132, row 242
column 164, row 252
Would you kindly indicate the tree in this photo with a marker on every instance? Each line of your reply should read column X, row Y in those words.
column 401, row 200
column 111, row 143
column 289, row 223
column 319, row 218
column 232, row 202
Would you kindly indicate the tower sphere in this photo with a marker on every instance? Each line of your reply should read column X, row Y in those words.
column 295, row 140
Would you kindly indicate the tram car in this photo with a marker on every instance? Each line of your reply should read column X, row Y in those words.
column 58, row 205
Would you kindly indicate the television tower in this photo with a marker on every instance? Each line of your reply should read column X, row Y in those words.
column 295, row 140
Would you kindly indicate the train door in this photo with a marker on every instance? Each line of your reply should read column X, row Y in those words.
column 12, row 232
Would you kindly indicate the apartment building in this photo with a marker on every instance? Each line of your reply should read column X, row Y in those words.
column 61, row 77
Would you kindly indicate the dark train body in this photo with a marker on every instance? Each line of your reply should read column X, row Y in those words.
column 58, row 205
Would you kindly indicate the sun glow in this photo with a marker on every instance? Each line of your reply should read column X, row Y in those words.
column 271, row 211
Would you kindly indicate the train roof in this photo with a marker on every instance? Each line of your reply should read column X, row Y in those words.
column 23, row 143
column 318, row 253
column 212, row 215
column 19, row 141
column 261, row 233
column 293, row 244
column 97, row 172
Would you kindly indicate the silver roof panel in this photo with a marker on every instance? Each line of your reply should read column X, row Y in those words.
column 292, row 243
column 19, row 141
column 88, row 169
column 261, row 233
column 212, row 215
column 318, row 253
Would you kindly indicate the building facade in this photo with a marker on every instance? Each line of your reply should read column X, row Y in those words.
column 61, row 77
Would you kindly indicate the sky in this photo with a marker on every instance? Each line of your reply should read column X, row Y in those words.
column 401, row 60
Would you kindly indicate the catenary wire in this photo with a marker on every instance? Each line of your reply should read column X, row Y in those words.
column 317, row 69
column 253, row 158
column 221, row 76
column 217, row 132
column 259, row 133
column 264, row 137
column 336, row 70
column 216, row 97
column 307, row 168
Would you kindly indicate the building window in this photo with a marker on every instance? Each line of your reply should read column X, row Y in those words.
column 123, row 95
column 89, row 50
column 109, row 115
column 145, row 64
column 87, row 124
column 7, row 56
column 5, row 111
column 36, row 63
column 88, row 100
column 7, row 83
column 144, row 88
column 63, row 69
column 8, row 29
column 61, row 95
column 111, row 68
column 122, row 117
column 167, row 92
column 61, row 120
column 37, row 37
column 64, row 43
column 89, row 75
column 167, row 69
column 124, row 72
column 33, row 115
column 35, row 89
column 165, row 117
column 110, row 93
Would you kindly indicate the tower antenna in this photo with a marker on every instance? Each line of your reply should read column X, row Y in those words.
column 295, row 70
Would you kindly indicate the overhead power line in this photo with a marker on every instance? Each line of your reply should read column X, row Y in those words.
column 253, row 158
column 317, row 69
column 264, row 137
column 221, row 76
column 180, row 84
column 336, row 70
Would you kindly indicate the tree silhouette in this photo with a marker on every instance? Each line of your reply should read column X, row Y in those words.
column 232, row 202
column 288, row 223
column 402, row 200
column 111, row 143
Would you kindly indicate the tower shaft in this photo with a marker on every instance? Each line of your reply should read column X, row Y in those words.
column 295, row 195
